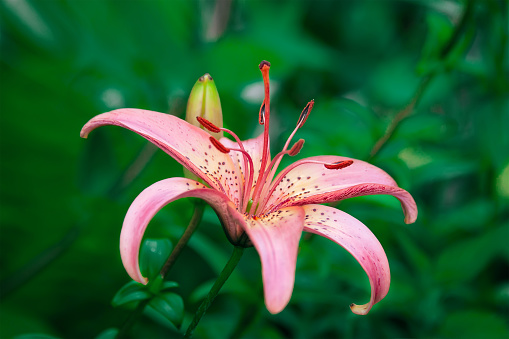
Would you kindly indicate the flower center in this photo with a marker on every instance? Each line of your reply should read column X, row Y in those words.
column 255, row 204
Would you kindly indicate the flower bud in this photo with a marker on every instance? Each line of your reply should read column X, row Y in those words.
column 204, row 103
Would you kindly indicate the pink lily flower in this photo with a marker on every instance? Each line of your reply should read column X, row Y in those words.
column 255, row 206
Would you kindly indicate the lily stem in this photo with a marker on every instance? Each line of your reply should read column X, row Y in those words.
column 199, row 207
column 225, row 274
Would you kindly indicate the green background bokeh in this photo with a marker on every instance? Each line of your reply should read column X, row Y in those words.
column 63, row 198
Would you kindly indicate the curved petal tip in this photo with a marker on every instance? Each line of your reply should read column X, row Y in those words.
column 360, row 309
column 277, row 307
column 409, row 208
column 83, row 133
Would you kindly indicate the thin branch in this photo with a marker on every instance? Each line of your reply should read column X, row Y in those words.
column 405, row 112
column 225, row 274
column 199, row 207
column 409, row 108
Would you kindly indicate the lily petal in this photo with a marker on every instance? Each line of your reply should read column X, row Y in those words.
column 187, row 144
column 357, row 239
column 155, row 197
column 315, row 184
column 276, row 238
column 255, row 149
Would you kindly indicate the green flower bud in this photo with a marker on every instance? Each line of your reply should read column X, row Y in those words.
column 204, row 102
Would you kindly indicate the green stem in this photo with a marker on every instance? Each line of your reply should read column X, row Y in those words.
column 199, row 207
column 408, row 109
column 405, row 112
column 459, row 30
column 225, row 274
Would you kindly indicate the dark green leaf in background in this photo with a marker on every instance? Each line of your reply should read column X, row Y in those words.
column 153, row 255
column 63, row 62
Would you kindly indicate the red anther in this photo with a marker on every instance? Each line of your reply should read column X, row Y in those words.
column 220, row 147
column 261, row 116
column 339, row 164
column 208, row 125
column 305, row 113
column 263, row 64
column 296, row 148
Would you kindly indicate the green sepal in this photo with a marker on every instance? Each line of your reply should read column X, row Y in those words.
column 130, row 292
column 168, row 285
column 170, row 306
column 153, row 255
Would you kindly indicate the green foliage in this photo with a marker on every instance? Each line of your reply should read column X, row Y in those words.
column 161, row 302
column 110, row 333
column 63, row 198
column 170, row 306
column 153, row 255
column 131, row 292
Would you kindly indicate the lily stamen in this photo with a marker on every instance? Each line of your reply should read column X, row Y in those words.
column 247, row 158
column 302, row 119
column 249, row 171
column 208, row 125
column 277, row 160
column 296, row 148
column 271, row 169
column 261, row 115
column 287, row 170
column 339, row 164
column 219, row 146
column 265, row 109
column 305, row 113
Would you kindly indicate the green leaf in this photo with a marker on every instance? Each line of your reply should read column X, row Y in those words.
column 170, row 306
column 168, row 285
column 423, row 127
column 394, row 83
column 471, row 216
column 465, row 259
column 440, row 29
column 474, row 324
column 153, row 255
column 132, row 291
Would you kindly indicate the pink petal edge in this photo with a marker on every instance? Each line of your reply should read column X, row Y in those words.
column 315, row 184
column 357, row 239
column 187, row 144
column 155, row 197
column 276, row 238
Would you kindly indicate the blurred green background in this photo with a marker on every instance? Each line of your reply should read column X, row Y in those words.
column 63, row 198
